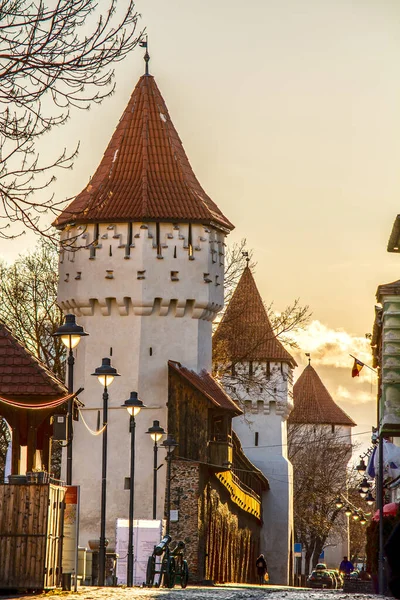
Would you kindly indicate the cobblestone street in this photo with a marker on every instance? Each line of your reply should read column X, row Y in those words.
column 200, row 593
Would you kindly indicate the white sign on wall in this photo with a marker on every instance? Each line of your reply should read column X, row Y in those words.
column 146, row 534
column 71, row 530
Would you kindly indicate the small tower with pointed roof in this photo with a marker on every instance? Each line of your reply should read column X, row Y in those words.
column 143, row 270
column 257, row 371
column 314, row 408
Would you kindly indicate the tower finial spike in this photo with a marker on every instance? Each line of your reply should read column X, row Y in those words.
column 144, row 43
column 246, row 256
column 309, row 357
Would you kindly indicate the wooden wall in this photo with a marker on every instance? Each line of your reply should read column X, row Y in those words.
column 31, row 521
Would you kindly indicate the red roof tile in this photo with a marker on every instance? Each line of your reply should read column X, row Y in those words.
column 245, row 331
column 313, row 404
column 207, row 385
column 21, row 374
column 144, row 173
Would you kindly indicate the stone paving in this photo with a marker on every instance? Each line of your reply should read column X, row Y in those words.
column 226, row 592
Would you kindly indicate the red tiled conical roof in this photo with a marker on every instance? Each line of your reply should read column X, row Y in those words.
column 313, row 404
column 21, row 374
column 207, row 385
column 245, row 332
column 144, row 173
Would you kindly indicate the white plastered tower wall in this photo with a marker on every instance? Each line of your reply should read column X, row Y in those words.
column 151, row 301
column 337, row 544
column 266, row 398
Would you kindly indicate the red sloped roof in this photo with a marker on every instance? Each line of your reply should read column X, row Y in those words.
column 21, row 374
column 245, row 331
column 144, row 173
column 207, row 385
column 313, row 404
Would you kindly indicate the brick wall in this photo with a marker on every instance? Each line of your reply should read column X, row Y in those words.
column 222, row 541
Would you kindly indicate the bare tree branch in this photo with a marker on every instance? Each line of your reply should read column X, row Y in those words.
column 53, row 57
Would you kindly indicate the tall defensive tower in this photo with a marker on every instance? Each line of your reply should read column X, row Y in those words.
column 258, row 372
column 144, row 276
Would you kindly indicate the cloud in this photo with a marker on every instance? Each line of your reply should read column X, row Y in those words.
column 331, row 347
column 330, row 350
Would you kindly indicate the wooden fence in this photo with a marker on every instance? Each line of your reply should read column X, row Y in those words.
column 31, row 526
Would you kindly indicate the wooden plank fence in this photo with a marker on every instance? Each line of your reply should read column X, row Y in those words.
column 31, row 525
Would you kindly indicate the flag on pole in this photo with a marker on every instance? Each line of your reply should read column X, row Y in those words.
column 358, row 365
column 143, row 43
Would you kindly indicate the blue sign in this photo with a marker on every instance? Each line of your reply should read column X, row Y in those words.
column 322, row 555
column 297, row 549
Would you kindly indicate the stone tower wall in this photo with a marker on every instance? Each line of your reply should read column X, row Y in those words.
column 145, row 293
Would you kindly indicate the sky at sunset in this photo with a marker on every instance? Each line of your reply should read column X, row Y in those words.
column 289, row 112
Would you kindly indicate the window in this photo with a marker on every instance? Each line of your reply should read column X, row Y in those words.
column 256, row 438
column 95, row 242
column 158, row 242
column 190, row 241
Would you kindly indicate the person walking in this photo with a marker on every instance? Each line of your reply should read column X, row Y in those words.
column 346, row 566
column 261, row 565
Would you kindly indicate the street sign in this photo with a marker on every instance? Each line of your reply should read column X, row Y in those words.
column 297, row 550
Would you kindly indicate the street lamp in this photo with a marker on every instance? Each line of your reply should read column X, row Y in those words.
column 70, row 334
column 361, row 467
column 370, row 500
column 339, row 502
column 170, row 444
column 133, row 406
column 105, row 374
column 348, row 511
column 365, row 485
column 156, row 432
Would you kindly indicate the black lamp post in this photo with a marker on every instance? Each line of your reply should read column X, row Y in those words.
column 170, row 444
column 105, row 375
column 156, row 432
column 70, row 334
column 133, row 406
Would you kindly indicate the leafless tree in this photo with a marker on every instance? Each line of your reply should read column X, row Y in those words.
column 54, row 56
column 319, row 458
column 28, row 294
column 28, row 303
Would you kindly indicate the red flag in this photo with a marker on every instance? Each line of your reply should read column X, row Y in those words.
column 358, row 365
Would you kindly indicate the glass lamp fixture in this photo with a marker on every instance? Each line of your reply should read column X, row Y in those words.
column 338, row 502
column 361, row 492
column 363, row 520
column 361, row 467
column 106, row 373
column 133, row 405
column 365, row 485
column 369, row 499
column 70, row 333
column 170, row 444
column 348, row 511
column 355, row 515
column 156, row 431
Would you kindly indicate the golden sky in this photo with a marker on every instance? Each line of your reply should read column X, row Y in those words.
column 289, row 112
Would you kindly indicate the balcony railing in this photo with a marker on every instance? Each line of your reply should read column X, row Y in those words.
column 241, row 494
column 220, row 452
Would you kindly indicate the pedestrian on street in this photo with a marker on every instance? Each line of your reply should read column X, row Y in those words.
column 346, row 566
column 261, row 565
